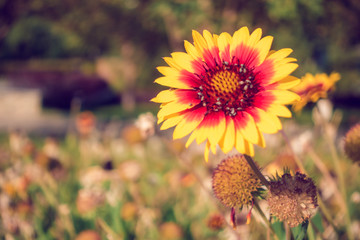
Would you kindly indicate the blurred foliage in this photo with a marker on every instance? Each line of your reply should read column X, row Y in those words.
column 127, row 180
column 323, row 34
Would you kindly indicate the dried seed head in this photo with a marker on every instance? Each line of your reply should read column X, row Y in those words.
column 352, row 143
column 292, row 198
column 234, row 182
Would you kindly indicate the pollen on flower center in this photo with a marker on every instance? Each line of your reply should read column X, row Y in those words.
column 229, row 87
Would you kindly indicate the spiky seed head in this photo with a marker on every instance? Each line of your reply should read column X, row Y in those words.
column 292, row 199
column 234, row 182
column 352, row 143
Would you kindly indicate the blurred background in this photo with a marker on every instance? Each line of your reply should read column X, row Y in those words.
column 100, row 53
column 76, row 78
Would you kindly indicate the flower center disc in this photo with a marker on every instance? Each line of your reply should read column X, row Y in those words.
column 229, row 88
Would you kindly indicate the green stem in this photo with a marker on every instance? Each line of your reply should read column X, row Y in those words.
column 256, row 170
column 297, row 160
column 189, row 166
column 260, row 211
column 339, row 173
column 322, row 206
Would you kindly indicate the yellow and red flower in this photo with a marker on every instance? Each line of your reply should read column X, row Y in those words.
column 226, row 90
column 313, row 87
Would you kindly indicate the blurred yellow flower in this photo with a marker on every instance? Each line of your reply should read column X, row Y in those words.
column 170, row 231
column 88, row 235
column 313, row 87
column 226, row 90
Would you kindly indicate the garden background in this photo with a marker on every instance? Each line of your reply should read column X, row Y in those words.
column 79, row 149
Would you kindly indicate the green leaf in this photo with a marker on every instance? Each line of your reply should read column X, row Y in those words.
column 299, row 232
column 279, row 230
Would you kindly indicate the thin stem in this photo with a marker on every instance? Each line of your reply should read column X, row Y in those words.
column 297, row 160
column 339, row 173
column 288, row 233
column 323, row 169
column 188, row 165
column 326, row 212
column 310, row 231
column 322, row 206
column 256, row 170
column 260, row 211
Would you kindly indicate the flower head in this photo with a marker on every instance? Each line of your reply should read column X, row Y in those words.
column 352, row 143
column 85, row 123
column 234, row 181
column 170, row 230
column 313, row 87
column 88, row 235
column 216, row 222
column 292, row 198
column 226, row 90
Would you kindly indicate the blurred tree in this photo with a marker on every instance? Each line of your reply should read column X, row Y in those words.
column 323, row 34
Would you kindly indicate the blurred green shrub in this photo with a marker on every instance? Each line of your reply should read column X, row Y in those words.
column 36, row 37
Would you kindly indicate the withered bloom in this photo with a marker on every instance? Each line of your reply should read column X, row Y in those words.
column 352, row 143
column 292, row 199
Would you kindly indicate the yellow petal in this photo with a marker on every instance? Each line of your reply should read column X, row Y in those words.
column 206, row 152
column 240, row 37
column 286, row 60
column 191, row 50
column 199, row 42
column 172, row 63
column 213, row 149
column 168, row 71
column 283, row 71
column 280, row 54
column 240, row 142
column 249, row 149
column 171, row 108
column 287, row 83
column 209, row 39
column 224, row 40
column 216, row 131
column 249, row 131
column 228, row 141
column 170, row 122
column 215, row 36
column 191, row 138
column 280, row 110
column 183, row 60
column 190, row 121
column 261, row 142
column 164, row 97
column 254, row 37
column 284, row 97
column 276, row 121
column 266, row 123
column 212, row 128
column 263, row 46
column 172, row 82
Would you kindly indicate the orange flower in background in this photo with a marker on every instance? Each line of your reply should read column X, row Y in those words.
column 313, row 87
column 216, row 222
column 226, row 90
column 85, row 123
